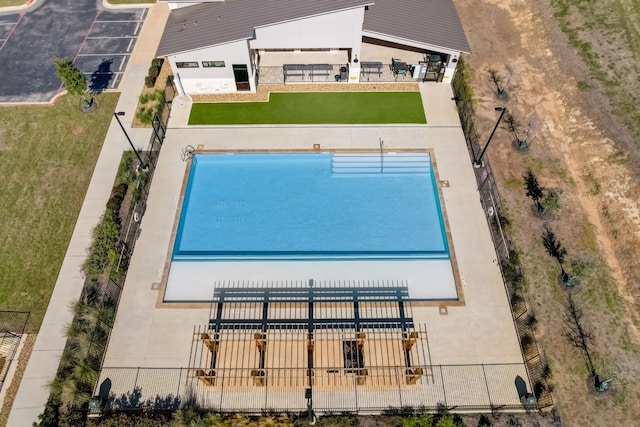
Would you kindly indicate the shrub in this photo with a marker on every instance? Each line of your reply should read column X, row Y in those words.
column 149, row 81
column 145, row 115
column 516, row 300
column 546, row 371
column 153, row 72
column 526, row 341
column 531, row 321
column 157, row 62
column 551, row 199
column 105, row 239
column 484, row 421
column 117, row 196
column 539, row 388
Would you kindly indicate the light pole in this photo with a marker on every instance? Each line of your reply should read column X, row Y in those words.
column 477, row 162
column 142, row 166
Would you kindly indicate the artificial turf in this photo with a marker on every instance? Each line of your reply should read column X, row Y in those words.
column 315, row 108
column 47, row 157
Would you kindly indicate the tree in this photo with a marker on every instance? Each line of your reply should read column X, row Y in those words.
column 519, row 131
column 534, row 191
column 74, row 81
column 497, row 81
column 576, row 333
column 555, row 249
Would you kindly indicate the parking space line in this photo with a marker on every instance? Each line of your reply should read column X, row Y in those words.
column 130, row 44
column 87, row 35
column 12, row 30
column 119, row 22
column 115, row 80
column 122, row 63
column 137, row 28
column 143, row 12
column 103, row 54
column 118, row 37
column 116, row 77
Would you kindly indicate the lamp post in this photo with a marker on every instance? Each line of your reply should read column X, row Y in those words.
column 142, row 165
column 477, row 162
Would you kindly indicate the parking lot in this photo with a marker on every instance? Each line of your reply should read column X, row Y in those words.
column 99, row 41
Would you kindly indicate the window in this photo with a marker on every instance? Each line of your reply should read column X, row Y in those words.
column 187, row 64
column 212, row 64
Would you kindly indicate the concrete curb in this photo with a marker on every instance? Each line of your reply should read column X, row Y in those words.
column 27, row 5
column 107, row 5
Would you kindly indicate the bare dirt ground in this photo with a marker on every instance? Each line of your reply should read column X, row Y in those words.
column 583, row 149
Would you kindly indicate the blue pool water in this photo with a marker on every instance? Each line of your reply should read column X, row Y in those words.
column 310, row 206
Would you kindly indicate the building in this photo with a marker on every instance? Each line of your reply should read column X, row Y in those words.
column 235, row 45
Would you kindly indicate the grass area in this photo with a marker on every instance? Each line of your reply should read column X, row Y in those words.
column 605, row 35
column 130, row 1
column 315, row 108
column 9, row 3
column 47, row 156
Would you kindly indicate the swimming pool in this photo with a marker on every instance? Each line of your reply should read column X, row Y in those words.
column 319, row 206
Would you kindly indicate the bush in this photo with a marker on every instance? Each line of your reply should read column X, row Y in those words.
column 551, row 199
column 117, row 196
column 145, row 115
column 130, row 419
column 526, row 341
column 153, row 72
column 516, row 300
column 157, row 62
column 149, row 81
column 484, row 421
column 105, row 239
column 539, row 388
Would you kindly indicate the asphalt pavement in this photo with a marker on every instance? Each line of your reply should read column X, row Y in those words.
column 99, row 40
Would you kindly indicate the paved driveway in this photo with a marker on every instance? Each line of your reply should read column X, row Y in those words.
column 100, row 42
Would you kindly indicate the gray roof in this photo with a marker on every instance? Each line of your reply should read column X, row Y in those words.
column 210, row 24
column 433, row 22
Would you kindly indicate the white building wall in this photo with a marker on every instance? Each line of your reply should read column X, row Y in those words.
column 450, row 71
column 201, row 80
column 334, row 30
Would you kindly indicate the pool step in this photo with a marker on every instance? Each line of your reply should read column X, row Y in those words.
column 385, row 163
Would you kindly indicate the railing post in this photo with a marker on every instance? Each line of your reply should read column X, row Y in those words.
column 484, row 374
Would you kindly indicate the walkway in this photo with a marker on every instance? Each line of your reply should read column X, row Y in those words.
column 43, row 364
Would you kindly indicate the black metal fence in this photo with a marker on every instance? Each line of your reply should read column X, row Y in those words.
column 107, row 290
column 490, row 200
column 12, row 327
column 490, row 387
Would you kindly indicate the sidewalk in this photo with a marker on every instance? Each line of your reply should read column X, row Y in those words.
column 43, row 364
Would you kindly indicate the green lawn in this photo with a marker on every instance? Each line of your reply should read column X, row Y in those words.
column 47, row 156
column 315, row 108
column 7, row 3
column 130, row 1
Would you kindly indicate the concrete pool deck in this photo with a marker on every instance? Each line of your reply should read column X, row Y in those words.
column 479, row 332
